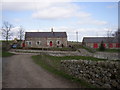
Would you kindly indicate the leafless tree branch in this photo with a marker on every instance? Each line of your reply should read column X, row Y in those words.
column 21, row 33
column 6, row 31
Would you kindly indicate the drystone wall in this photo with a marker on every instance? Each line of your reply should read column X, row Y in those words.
column 103, row 55
column 109, row 56
column 103, row 74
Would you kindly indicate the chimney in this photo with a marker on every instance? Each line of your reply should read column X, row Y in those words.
column 52, row 30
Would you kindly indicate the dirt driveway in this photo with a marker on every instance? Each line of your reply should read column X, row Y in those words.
column 19, row 71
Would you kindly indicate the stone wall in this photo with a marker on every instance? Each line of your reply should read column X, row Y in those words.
column 102, row 55
column 103, row 74
column 106, row 55
column 45, row 42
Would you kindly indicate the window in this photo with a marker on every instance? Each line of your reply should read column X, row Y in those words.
column 38, row 42
column 29, row 43
column 58, row 42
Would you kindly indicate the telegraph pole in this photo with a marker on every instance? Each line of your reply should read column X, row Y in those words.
column 77, row 36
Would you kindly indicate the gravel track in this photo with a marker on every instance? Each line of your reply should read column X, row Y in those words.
column 19, row 71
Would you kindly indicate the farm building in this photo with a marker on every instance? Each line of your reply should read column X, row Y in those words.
column 94, row 42
column 45, row 39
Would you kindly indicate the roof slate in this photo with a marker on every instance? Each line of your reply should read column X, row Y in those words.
column 100, row 39
column 45, row 34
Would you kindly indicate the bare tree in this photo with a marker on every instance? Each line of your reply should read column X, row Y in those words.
column 117, row 35
column 21, row 33
column 6, row 31
column 109, row 37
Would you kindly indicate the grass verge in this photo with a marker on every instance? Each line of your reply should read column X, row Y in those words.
column 55, row 49
column 91, row 50
column 41, row 60
column 111, row 50
column 6, row 54
column 74, row 57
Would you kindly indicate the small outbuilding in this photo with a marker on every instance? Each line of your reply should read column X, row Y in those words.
column 94, row 42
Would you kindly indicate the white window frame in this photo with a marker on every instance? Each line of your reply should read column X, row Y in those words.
column 57, row 42
column 39, row 43
column 48, row 42
column 28, row 43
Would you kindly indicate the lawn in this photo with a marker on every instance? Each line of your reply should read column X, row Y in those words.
column 53, row 64
column 6, row 54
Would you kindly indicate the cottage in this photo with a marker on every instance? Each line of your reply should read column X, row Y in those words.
column 94, row 42
column 45, row 39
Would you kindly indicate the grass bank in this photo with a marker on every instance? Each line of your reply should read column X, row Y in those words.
column 91, row 50
column 6, row 54
column 74, row 57
column 111, row 50
column 55, row 49
column 52, row 64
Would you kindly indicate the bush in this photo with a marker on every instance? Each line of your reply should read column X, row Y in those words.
column 102, row 47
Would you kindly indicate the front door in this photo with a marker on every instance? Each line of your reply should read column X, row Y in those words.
column 50, row 43
column 95, row 45
column 23, row 44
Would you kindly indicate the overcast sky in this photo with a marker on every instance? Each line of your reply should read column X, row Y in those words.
column 87, row 18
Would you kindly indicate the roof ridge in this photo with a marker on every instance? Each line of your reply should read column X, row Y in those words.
column 46, row 34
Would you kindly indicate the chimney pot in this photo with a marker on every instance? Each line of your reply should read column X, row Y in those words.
column 52, row 30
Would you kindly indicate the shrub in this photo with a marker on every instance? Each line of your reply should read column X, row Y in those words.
column 102, row 47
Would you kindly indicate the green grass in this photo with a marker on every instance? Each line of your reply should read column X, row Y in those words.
column 63, row 49
column 52, row 64
column 55, row 49
column 91, row 50
column 110, row 50
column 6, row 54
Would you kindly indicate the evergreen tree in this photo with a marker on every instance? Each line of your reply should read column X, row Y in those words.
column 101, row 47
